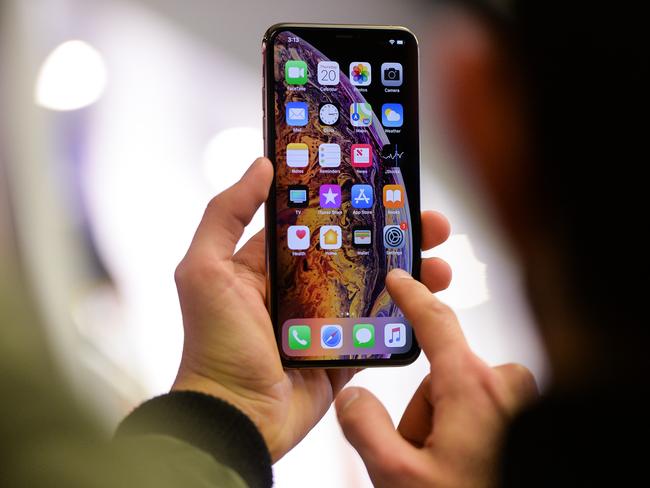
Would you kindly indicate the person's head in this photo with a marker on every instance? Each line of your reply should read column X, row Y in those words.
column 547, row 102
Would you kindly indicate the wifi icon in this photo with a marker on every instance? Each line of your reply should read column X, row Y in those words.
column 392, row 41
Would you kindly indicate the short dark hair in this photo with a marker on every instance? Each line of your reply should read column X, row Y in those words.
column 587, row 74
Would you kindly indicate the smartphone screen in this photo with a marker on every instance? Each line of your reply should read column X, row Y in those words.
column 341, row 126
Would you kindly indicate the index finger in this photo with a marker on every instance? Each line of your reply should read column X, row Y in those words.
column 435, row 324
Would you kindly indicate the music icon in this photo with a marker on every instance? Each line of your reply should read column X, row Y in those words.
column 394, row 335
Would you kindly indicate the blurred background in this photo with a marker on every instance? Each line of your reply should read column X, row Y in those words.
column 120, row 119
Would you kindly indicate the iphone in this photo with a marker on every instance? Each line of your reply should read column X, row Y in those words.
column 341, row 127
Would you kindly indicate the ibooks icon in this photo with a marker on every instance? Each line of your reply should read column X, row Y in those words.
column 393, row 196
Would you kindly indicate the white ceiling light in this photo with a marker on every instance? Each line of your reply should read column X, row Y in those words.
column 229, row 154
column 469, row 284
column 72, row 77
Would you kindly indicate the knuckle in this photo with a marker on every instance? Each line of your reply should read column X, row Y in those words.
column 389, row 464
column 180, row 273
column 214, row 204
column 400, row 470
column 441, row 308
column 522, row 378
column 191, row 272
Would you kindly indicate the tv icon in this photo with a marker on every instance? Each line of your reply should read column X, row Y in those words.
column 298, row 196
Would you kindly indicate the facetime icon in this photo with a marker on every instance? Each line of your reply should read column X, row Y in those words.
column 295, row 72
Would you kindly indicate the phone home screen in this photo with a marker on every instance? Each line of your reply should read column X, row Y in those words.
column 344, row 105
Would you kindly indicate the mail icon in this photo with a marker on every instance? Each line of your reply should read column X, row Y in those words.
column 297, row 113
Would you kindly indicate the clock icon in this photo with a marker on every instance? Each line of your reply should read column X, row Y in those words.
column 329, row 113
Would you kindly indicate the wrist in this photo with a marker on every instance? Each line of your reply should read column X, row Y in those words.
column 209, row 424
column 191, row 381
column 243, row 401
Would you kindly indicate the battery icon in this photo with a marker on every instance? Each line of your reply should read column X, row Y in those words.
column 400, row 42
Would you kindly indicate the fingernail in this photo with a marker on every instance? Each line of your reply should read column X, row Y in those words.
column 346, row 398
column 400, row 273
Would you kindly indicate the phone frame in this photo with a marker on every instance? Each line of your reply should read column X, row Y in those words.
column 268, row 97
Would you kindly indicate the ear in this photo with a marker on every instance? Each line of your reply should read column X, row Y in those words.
column 479, row 102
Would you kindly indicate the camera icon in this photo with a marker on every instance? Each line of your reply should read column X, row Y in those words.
column 392, row 74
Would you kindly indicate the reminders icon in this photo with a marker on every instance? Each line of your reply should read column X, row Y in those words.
column 329, row 155
column 297, row 155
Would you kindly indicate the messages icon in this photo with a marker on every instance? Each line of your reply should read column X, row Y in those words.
column 363, row 335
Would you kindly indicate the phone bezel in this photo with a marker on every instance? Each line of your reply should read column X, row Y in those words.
column 268, row 95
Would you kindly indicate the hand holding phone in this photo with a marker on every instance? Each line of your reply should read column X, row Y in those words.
column 229, row 349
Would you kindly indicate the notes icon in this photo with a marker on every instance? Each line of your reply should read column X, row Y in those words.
column 394, row 335
column 297, row 155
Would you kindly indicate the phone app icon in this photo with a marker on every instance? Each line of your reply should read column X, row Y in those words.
column 297, row 113
column 360, row 73
column 363, row 335
column 394, row 237
column 329, row 155
column 394, row 335
column 331, row 237
column 328, row 73
column 330, row 196
column 362, row 196
column 328, row 113
column 299, row 337
column 362, row 236
column 298, row 238
column 360, row 114
column 392, row 74
column 361, row 155
column 297, row 155
column 298, row 196
column 331, row 337
column 393, row 196
column 392, row 115
column 295, row 72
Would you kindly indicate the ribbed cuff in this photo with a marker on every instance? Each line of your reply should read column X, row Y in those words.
column 209, row 424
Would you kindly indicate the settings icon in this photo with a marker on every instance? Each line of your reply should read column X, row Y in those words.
column 393, row 237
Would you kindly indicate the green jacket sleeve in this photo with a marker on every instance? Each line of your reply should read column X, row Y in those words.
column 49, row 440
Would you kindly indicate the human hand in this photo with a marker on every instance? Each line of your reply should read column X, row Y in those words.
column 230, row 350
column 450, row 432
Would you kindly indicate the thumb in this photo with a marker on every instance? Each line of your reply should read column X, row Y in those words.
column 368, row 427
